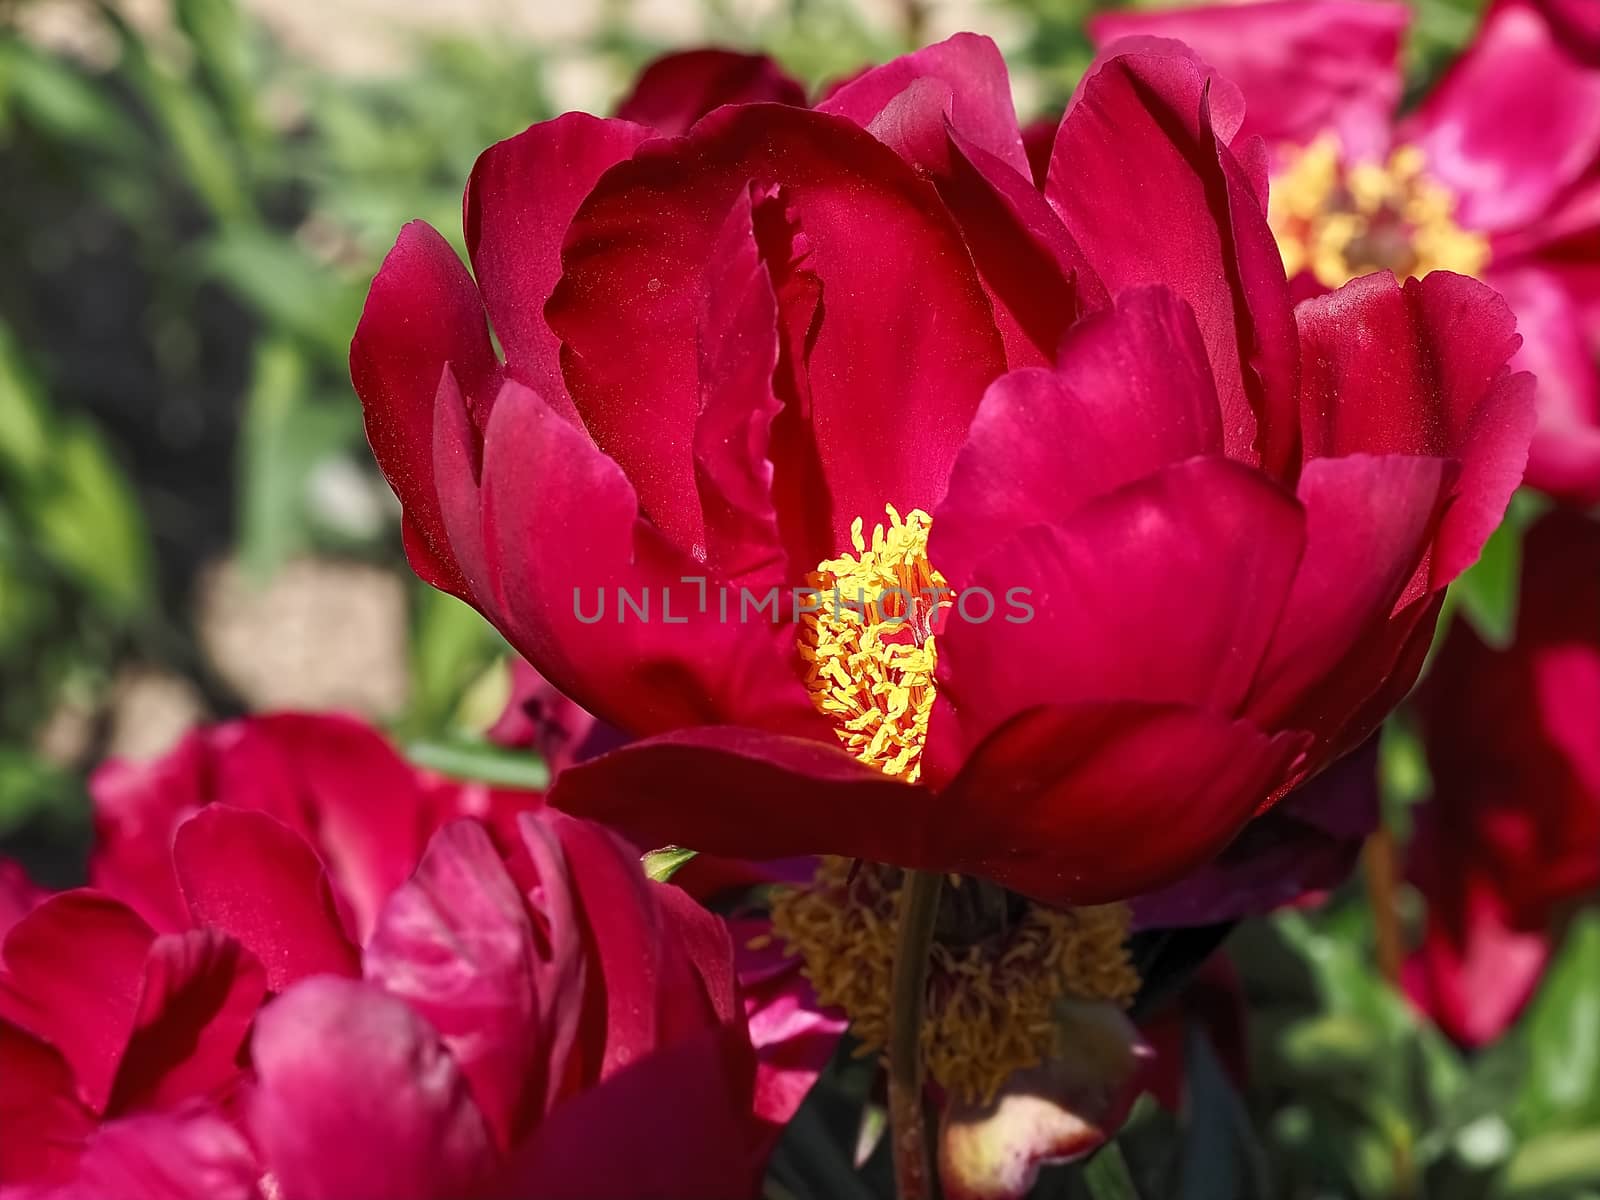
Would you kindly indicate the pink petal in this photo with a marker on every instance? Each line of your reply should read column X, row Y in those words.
column 519, row 202
column 18, row 895
column 1421, row 370
column 192, row 1154
column 1305, row 66
column 249, row 876
column 1143, row 178
column 456, row 944
column 1165, row 591
column 359, row 1100
column 1564, row 457
column 1514, row 121
column 1057, row 1112
column 1132, row 393
column 421, row 313
column 73, row 973
column 676, row 90
column 895, row 367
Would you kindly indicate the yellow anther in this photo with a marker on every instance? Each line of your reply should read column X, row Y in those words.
column 868, row 646
column 1339, row 220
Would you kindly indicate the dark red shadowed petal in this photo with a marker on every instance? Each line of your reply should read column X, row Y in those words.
column 1369, row 521
column 970, row 67
column 252, row 877
column 1564, row 457
column 1421, row 370
column 1306, row 67
column 1144, row 180
column 1307, row 843
column 45, row 1123
column 519, row 202
column 357, row 1097
column 694, row 788
column 73, row 973
column 620, row 1141
column 1514, row 122
column 456, row 944
column 1132, row 393
column 894, row 368
column 738, row 351
column 189, row 1154
column 201, row 992
column 1084, row 804
column 676, row 90
column 1165, row 591
column 422, row 312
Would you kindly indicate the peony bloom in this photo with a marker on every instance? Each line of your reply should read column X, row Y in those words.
column 855, row 346
column 1511, row 836
column 1493, row 175
column 510, row 1013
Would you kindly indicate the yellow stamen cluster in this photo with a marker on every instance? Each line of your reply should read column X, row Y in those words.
column 868, row 646
column 1340, row 220
column 992, row 1002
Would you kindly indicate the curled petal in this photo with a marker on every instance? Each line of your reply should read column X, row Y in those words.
column 676, row 90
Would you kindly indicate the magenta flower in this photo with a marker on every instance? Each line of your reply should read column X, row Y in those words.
column 1510, row 839
column 1495, row 173
column 728, row 352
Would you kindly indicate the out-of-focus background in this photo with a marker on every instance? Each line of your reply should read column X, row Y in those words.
column 194, row 195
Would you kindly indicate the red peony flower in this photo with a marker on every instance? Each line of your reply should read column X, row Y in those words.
column 1511, row 836
column 1493, row 175
column 1228, row 523
column 472, row 1029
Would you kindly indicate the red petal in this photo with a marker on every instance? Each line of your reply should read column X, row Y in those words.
column 519, row 202
column 74, row 970
column 1421, row 370
column 249, row 876
column 1145, row 182
column 421, row 313
column 676, row 90
column 193, row 1154
column 45, row 1123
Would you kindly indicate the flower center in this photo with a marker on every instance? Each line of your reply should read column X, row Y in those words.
column 1001, row 968
column 1339, row 221
column 868, row 642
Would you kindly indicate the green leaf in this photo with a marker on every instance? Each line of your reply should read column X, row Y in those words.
column 1221, row 1158
column 1107, row 1176
column 63, row 105
column 451, row 648
column 24, row 432
column 1561, row 1082
column 661, row 865
column 276, row 276
column 1487, row 590
column 483, row 762
column 1553, row 1166
column 88, row 522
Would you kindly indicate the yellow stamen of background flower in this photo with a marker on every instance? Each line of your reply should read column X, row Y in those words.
column 1340, row 220
column 868, row 646
column 992, row 1001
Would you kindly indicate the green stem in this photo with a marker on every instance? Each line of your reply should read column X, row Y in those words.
column 919, row 907
column 1107, row 1175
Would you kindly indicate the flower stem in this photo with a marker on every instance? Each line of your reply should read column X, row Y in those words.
column 1107, row 1175
column 1380, row 859
column 919, row 907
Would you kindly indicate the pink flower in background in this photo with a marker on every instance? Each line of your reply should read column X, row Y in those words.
column 726, row 351
column 1495, row 174
column 1511, row 836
